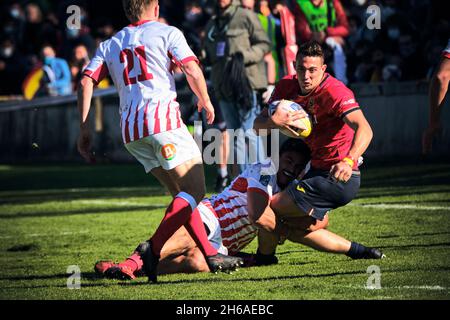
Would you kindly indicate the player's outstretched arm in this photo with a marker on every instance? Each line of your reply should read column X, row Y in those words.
column 85, row 91
column 197, row 83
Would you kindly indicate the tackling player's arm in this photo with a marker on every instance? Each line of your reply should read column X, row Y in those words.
column 197, row 83
column 258, row 203
column 85, row 91
column 342, row 171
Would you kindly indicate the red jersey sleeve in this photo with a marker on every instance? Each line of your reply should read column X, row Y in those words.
column 343, row 101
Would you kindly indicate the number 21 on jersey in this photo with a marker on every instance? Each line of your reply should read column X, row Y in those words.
column 127, row 55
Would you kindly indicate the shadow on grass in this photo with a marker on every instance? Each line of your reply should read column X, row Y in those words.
column 408, row 246
column 58, row 213
column 94, row 277
column 411, row 174
column 70, row 195
column 391, row 236
column 101, row 282
column 85, row 275
column 399, row 192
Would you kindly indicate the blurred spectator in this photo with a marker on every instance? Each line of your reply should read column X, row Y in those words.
column 195, row 20
column 286, row 38
column 324, row 21
column 235, row 46
column 412, row 32
column 271, row 58
column 14, row 24
column 76, row 36
column 13, row 68
column 80, row 59
column 410, row 56
column 57, row 79
column 39, row 29
column 392, row 70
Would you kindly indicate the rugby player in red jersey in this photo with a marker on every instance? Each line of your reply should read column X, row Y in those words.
column 339, row 137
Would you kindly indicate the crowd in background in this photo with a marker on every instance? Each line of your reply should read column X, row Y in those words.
column 406, row 47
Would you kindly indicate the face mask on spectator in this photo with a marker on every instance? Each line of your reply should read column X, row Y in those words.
column 72, row 33
column 393, row 33
column 48, row 60
column 192, row 17
column 7, row 52
column 15, row 13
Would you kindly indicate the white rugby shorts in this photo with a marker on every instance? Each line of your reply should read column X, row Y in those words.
column 166, row 149
column 211, row 221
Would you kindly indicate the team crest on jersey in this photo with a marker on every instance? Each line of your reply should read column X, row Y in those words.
column 264, row 180
column 168, row 151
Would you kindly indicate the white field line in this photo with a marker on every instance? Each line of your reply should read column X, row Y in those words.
column 425, row 287
column 38, row 235
column 116, row 203
column 388, row 206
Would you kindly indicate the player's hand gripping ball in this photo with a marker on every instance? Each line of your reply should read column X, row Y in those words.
column 302, row 126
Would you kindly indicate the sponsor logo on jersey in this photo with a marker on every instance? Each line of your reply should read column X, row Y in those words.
column 168, row 151
column 350, row 101
column 301, row 189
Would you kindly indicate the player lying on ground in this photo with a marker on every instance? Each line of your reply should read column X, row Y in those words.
column 230, row 229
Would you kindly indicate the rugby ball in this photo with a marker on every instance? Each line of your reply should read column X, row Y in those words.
column 291, row 106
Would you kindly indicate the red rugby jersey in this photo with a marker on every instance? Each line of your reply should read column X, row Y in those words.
column 331, row 138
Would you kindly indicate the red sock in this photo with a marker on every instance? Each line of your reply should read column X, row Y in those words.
column 177, row 214
column 197, row 231
column 134, row 262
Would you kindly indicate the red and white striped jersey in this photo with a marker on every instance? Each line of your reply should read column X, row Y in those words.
column 230, row 206
column 139, row 60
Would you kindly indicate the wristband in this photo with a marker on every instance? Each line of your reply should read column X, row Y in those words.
column 349, row 161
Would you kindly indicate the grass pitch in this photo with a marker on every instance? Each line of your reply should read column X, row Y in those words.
column 53, row 217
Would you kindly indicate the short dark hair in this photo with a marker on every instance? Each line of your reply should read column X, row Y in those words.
column 310, row 49
column 296, row 145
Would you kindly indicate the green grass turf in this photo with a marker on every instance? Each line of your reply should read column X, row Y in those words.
column 52, row 217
